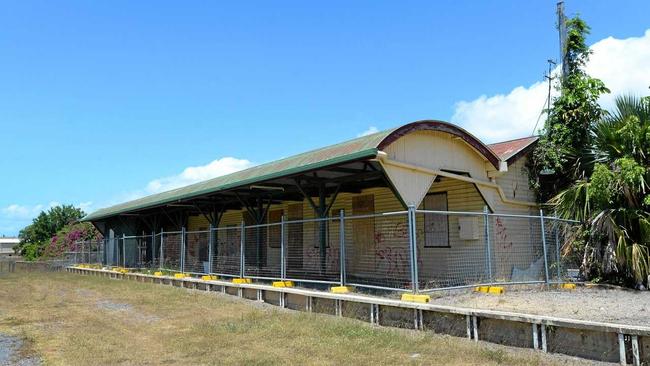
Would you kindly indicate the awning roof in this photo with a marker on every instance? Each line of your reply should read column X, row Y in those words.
column 510, row 150
column 365, row 147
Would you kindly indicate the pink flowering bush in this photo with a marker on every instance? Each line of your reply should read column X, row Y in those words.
column 68, row 239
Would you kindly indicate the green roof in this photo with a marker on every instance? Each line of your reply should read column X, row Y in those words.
column 359, row 148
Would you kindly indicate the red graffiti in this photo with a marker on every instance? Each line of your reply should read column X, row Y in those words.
column 502, row 234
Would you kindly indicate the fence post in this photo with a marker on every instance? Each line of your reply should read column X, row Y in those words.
column 153, row 248
column 557, row 247
column 183, row 249
column 342, row 245
column 413, row 248
column 487, row 242
column 283, row 261
column 123, row 250
column 541, row 220
column 161, row 257
column 210, row 249
column 241, row 250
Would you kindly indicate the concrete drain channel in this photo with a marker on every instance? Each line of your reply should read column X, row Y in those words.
column 608, row 342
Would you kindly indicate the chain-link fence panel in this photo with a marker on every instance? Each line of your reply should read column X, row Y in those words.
column 171, row 249
column 197, row 259
column 84, row 252
column 312, row 250
column 452, row 249
column 517, row 247
column 226, row 253
column 262, row 251
column 563, row 261
column 377, row 251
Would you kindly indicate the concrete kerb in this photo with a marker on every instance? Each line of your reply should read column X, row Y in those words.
column 541, row 321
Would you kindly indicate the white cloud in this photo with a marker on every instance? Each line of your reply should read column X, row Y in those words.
column 189, row 175
column 14, row 217
column 369, row 131
column 623, row 64
column 25, row 212
column 196, row 174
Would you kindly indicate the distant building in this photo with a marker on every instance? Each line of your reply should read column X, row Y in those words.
column 7, row 246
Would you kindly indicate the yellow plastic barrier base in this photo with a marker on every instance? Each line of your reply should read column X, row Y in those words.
column 181, row 275
column 496, row 290
column 158, row 274
column 209, row 278
column 416, row 298
column 240, row 281
column 484, row 289
column 340, row 289
column 568, row 286
column 283, row 284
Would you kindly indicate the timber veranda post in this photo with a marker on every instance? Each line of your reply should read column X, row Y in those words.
column 413, row 249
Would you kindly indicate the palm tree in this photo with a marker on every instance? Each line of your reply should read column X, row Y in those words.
column 612, row 199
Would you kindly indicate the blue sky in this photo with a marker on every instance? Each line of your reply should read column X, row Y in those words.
column 106, row 101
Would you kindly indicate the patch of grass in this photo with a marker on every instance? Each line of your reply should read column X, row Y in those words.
column 78, row 320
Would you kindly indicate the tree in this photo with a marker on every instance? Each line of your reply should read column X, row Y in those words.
column 34, row 237
column 556, row 162
column 612, row 199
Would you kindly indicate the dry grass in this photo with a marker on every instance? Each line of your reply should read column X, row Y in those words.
column 76, row 320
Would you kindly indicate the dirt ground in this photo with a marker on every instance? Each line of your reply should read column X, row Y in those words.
column 67, row 319
column 595, row 304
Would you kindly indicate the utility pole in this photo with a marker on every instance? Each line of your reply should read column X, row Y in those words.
column 550, row 78
column 561, row 27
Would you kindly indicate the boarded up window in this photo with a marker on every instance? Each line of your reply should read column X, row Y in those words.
column 275, row 216
column 363, row 230
column 436, row 226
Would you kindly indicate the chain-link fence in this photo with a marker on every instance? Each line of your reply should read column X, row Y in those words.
column 414, row 250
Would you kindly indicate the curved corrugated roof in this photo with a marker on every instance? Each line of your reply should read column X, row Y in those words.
column 365, row 147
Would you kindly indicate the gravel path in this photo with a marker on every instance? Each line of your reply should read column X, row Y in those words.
column 595, row 304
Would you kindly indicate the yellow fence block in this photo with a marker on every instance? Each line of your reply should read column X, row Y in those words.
column 158, row 274
column 568, row 286
column 209, row 278
column 240, row 281
column 283, row 284
column 181, row 275
column 497, row 290
column 416, row 298
column 484, row 289
column 340, row 289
